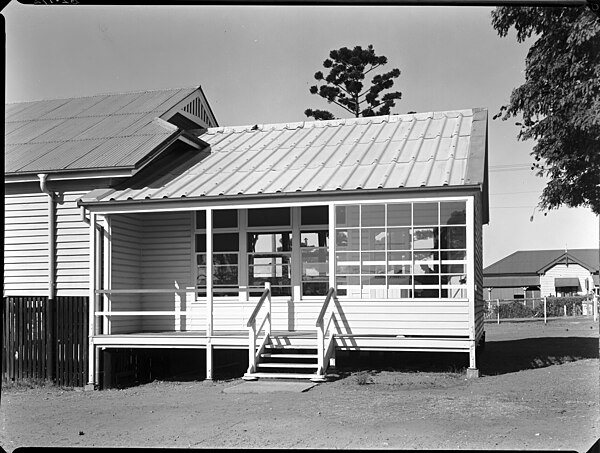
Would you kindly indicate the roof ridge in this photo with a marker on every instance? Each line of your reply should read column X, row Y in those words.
column 336, row 122
column 116, row 93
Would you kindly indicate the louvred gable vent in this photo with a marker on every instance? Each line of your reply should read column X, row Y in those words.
column 197, row 108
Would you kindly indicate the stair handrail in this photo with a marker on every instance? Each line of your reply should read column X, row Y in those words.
column 324, row 353
column 254, row 333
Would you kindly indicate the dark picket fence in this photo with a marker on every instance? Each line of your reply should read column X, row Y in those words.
column 45, row 340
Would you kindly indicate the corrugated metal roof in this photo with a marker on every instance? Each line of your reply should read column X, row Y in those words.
column 388, row 152
column 102, row 131
column 536, row 261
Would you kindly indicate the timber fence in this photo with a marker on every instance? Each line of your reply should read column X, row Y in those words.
column 45, row 340
column 541, row 308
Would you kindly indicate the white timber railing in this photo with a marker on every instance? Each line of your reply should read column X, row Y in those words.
column 325, row 346
column 254, row 333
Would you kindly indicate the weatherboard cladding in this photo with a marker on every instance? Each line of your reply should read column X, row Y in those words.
column 386, row 152
column 103, row 131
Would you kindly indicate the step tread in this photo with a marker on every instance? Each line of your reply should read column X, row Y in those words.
column 284, row 375
column 290, row 356
column 290, row 346
column 286, row 365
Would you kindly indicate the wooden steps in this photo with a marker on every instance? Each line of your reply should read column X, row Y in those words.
column 288, row 357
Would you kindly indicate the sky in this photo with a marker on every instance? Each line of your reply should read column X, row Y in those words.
column 256, row 63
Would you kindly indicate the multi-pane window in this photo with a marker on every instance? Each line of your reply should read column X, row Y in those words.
column 401, row 250
column 225, row 252
column 269, row 260
column 269, row 249
column 314, row 237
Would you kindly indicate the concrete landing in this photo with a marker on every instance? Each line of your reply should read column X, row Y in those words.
column 269, row 386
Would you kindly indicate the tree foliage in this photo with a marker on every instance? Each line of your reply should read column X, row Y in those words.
column 344, row 84
column 560, row 99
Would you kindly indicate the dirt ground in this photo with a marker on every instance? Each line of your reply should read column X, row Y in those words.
column 538, row 389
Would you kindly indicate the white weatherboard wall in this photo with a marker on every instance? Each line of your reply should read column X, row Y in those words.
column 166, row 257
column 562, row 271
column 26, row 245
column 72, row 248
column 125, row 270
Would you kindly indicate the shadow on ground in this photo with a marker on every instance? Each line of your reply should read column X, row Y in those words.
column 498, row 357
column 510, row 356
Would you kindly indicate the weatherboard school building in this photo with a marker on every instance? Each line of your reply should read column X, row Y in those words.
column 291, row 241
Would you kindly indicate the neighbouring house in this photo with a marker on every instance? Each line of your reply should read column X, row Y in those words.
column 539, row 273
column 282, row 239
column 55, row 152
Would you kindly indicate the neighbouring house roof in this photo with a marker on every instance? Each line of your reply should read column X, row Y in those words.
column 511, row 281
column 109, row 131
column 535, row 262
column 414, row 151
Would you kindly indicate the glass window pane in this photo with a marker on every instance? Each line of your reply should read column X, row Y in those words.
column 348, row 269
column 425, row 213
column 373, row 280
column 373, row 215
column 425, row 238
column 225, row 275
column 454, row 280
column 453, row 213
column 453, row 268
column 201, row 260
column 201, row 276
column 373, row 239
column 347, row 239
column 314, row 239
column 454, row 293
column 399, row 269
column 269, row 242
column 379, row 257
column 225, row 258
column 454, row 237
column 347, row 256
column 427, row 279
column 373, row 269
column 314, row 215
column 346, row 216
column 200, row 220
column 399, row 238
column 226, row 242
column 455, row 255
column 201, row 243
column 399, row 214
column 227, row 218
column 400, row 257
column 403, row 280
column 423, row 293
column 315, row 288
column 348, row 286
column 268, row 217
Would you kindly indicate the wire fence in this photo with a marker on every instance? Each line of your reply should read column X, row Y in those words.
column 541, row 307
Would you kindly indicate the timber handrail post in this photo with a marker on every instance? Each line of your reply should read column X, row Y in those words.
column 321, row 331
column 251, row 324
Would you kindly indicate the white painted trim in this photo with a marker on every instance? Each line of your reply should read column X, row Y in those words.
column 296, row 258
column 471, row 277
column 332, row 244
column 287, row 202
column 92, row 297
column 243, row 254
column 209, row 272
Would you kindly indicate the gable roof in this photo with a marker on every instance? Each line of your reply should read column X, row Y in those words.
column 110, row 131
column 395, row 152
column 534, row 262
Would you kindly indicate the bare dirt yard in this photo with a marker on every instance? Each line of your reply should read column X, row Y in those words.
column 538, row 389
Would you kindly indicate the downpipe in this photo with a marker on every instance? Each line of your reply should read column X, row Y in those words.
column 51, row 273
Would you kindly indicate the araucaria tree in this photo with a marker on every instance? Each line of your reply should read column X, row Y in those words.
column 560, row 99
column 344, row 84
